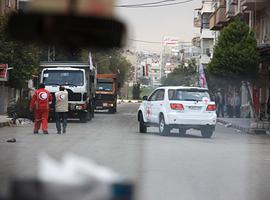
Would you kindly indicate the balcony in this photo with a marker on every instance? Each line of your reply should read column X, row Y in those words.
column 254, row 4
column 205, row 59
column 218, row 18
column 197, row 22
column 207, row 34
column 197, row 18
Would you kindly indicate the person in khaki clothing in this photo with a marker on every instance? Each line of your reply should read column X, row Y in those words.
column 61, row 109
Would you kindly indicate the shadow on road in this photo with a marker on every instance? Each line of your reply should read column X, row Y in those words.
column 173, row 135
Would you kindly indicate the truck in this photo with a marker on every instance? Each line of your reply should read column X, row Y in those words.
column 80, row 82
column 106, row 92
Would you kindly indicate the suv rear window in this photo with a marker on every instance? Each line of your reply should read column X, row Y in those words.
column 188, row 95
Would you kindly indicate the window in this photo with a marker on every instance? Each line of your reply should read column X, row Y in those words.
column 153, row 96
column 205, row 20
column 58, row 77
column 188, row 95
column 158, row 95
column 101, row 86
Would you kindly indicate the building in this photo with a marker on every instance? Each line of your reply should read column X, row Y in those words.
column 6, row 93
column 256, row 13
column 148, row 69
column 170, row 56
column 189, row 51
column 207, row 36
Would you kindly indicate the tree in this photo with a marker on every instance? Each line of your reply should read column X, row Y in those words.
column 21, row 57
column 112, row 62
column 136, row 91
column 184, row 74
column 235, row 56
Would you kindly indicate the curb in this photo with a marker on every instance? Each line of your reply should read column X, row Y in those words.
column 129, row 101
column 252, row 131
column 3, row 124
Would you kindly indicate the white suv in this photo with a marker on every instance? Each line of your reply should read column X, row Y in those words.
column 178, row 107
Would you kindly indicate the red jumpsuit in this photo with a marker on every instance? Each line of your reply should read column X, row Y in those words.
column 40, row 103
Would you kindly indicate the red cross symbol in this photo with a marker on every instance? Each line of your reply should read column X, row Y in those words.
column 205, row 100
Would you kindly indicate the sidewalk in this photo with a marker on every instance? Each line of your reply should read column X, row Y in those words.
column 4, row 120
column 246, row 125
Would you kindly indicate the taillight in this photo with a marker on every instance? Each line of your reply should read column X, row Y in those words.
column 177, row 106
column 211, row 108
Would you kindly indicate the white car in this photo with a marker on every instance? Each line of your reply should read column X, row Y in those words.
column 178, row 107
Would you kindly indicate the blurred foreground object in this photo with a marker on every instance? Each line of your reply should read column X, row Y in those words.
column 69, row 23
column 73, row 179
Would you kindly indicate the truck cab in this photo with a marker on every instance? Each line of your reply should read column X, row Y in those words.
column 78, row 80
column 106, row 92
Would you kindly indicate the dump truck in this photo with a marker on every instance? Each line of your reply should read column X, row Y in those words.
column 106, row 92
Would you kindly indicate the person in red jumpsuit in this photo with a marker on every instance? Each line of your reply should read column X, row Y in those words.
column 40, row 104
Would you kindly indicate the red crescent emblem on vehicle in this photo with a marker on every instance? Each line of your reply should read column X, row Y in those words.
column 148, row 112
column 43, row 96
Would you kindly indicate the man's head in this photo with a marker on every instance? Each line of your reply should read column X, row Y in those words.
column 61, row 88
column 41, row 85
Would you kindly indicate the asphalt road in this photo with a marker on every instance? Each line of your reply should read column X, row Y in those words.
column 231, row 165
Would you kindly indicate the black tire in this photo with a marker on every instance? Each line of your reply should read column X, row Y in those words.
column 163, row 128
column 207, row 132
column 142, row 127
column 89, row 115
column 112, row 110
column 182, row 132
column 83, row 117
column 93, row 113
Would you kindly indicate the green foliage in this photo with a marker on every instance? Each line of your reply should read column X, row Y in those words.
column 182, row 75
column 235, row 56
column 22, row 57
column 64, row 54
column 112, row 62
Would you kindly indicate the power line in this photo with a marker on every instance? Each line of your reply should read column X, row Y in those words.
column 144, row 4
column 154, row 42
column 144, row 41
column 153, row 4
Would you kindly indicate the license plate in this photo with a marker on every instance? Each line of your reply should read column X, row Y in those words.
column 195, row 108
column 105, row 104
column 99, row 107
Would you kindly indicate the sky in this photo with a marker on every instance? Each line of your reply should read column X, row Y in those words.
column 152, row 24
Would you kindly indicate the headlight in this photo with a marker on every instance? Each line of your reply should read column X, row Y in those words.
column 78, row 107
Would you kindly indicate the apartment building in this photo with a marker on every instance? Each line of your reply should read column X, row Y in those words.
column 207, row 36
column 256, row 13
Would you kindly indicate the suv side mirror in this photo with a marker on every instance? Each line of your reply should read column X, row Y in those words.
column 145, row 98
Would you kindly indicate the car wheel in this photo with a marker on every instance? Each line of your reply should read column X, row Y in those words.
column 163, row 127
column 207, row 132
column 182, row 132
column 142, row 127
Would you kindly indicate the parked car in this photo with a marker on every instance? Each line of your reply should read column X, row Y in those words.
column 178, row 107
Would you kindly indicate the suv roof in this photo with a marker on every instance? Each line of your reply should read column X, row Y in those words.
column 183, row 87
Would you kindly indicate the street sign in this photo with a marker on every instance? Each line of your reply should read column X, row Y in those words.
column 3, row 72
